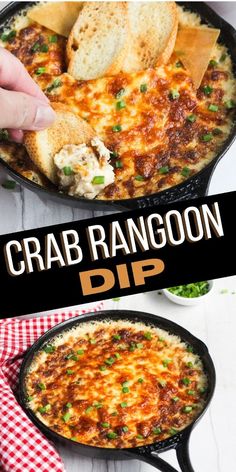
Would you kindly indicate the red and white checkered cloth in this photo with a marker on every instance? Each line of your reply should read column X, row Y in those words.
column 22, row 447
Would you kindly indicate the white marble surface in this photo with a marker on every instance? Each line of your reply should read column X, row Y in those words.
column 213, row 442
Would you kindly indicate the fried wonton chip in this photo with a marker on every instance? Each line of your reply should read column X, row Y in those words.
column 56, row 16
column 194, row 48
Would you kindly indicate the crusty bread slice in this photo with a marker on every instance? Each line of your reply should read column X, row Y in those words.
column 98, row 41
column 67, row 128
column 153, row 32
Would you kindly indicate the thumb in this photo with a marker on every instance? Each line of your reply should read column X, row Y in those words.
column 22, row 111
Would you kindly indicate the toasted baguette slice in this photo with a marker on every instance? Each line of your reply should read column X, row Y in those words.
column 42, row 146
column 57, row 16
column 98, row 41
column 153, row 31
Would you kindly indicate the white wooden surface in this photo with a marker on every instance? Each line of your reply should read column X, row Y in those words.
column 214, row 440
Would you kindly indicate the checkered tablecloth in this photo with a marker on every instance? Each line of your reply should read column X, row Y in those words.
column 23, row 448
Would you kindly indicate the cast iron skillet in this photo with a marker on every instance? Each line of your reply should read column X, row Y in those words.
column 197, row 186
column 192, row 188
column 149, row 453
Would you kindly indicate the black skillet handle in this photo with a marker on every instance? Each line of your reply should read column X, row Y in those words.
column 182, row 452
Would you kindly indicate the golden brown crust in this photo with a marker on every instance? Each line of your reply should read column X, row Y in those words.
column 116, row 384
column 43, row 145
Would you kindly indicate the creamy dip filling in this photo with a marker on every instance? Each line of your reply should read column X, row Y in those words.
column 84, row 170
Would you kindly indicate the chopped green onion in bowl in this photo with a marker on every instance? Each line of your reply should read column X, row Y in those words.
column 193, row 290
column 189, row 294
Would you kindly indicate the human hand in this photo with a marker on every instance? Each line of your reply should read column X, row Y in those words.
column 23, row 105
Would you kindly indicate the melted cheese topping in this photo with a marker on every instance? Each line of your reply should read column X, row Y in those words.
column 160, row 130
column 116, row 384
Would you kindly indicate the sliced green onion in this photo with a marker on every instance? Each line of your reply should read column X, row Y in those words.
column 185, row 172
column 174, row 94
column 123, row 404
column 112, row 435
column 178, row 64
column 139, row 345
column 187, row 409
column 207, row 89
column 53, row 38
column 223, row 57
column 175, row 399
column 207, row 137
column 172, row 431
column 102, row 368
column 69, row 372
column 110, row 360
column 6, row 37
column 166, row 362
column 140, row 178
column 117, row 355
column 189, row 364
column 42, row 386
column 164, row 170
column 139, row 436
column 217, row 131
column 44, row 48
column 140, row 380
column 125, row 429
column 35, row 47
column 30, row 398
column 202, row 390
column 116, row 128
column 68, row 405
column 105, row 425
column 114, row 413
column 67, row 171
column 9, row 184
column 148, row 335
column 121, row 104
column 213, row 107
column 98, row 180
column 66, row 417
column 55, row 84
column 88, row 409
column 192, row 118
column 186, row 381
column 98, row 405
column 156, row 430
column 143, row 88
column 230, row 104
column 44, row 409
column 40, row 70
column 80, row 352
column 190, row 348
column 213, row 63
column 92, row 341
column 116, row 337
column 119, row 164
column 49, row 349
column 191, row 392
column 125, row 389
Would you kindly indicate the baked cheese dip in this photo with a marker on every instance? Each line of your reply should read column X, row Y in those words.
column 116, row 384
column 159, row 129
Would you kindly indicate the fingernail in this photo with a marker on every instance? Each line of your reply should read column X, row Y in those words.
column 44, row 117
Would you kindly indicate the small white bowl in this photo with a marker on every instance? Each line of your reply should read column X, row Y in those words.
column 189, row 301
